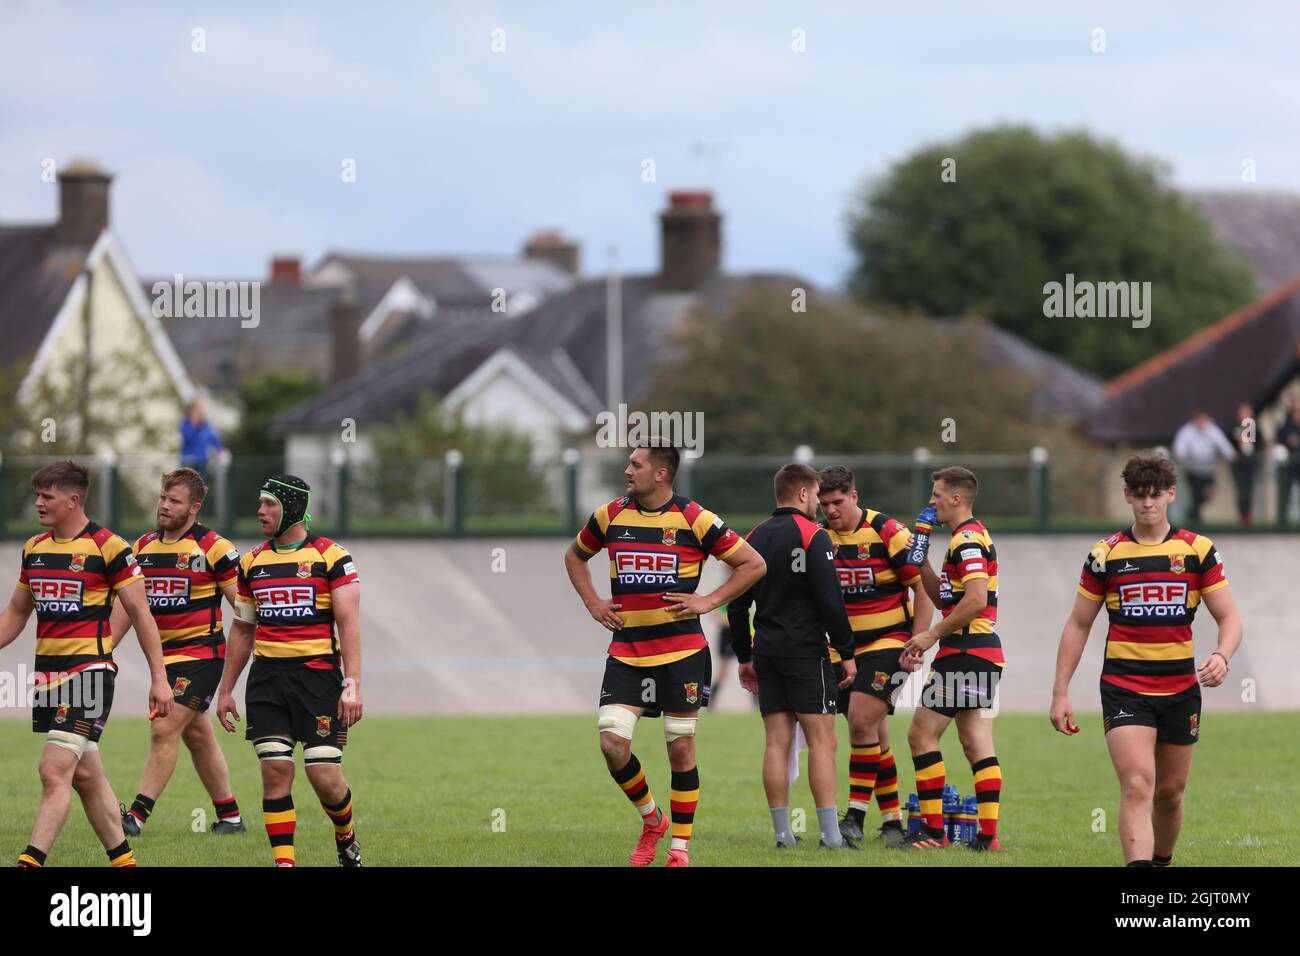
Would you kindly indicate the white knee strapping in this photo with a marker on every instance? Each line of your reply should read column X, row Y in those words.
column 616, row 720
column 73, row 742
column 322, row 754
column 273, row 748
column 675, row 727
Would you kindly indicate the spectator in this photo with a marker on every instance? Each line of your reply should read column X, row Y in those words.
column 1288, row 436
column 1244, row 437
column 198, row 439
column 1197, row 447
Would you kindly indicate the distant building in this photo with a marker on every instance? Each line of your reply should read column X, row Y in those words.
column 71, row 306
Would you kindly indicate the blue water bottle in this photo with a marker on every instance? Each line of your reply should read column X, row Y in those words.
column 913, row 815
column 951, row 811
column 971, row 816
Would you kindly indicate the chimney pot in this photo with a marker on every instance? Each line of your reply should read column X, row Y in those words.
column 83, row 203
column 690, row 240
column 550, row 245
column 286, row 270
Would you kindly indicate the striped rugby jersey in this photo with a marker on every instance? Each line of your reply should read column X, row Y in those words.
column 72, row 583
column 290, row 591
column 651, row 553
column 871, row 562
column 183, row 580
column 970, row 556
column 1151, row 593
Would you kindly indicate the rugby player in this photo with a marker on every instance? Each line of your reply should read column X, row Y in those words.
column 658, row 660
column 798, row 604
column 296, row 587
column 965, row 673
column 70, row 575
column 187, row 570
column 871, row 561
column 1151, row 577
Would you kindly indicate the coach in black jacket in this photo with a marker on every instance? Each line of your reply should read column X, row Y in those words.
column 788, row 666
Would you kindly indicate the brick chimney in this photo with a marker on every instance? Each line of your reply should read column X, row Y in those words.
column 549, row 245
column 83, row 203
column 690, row 241
column 345, row 341
column 286, row 270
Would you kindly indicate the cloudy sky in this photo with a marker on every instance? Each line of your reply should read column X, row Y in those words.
column 226, row 157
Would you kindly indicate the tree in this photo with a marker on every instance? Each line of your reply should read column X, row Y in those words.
column 263, row 396
column 768, row 379
column 499, row 475
column 1025, row 210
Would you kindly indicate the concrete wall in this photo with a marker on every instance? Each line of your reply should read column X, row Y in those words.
column 443, row 632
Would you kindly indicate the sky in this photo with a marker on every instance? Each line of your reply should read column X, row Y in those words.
column 472, row 124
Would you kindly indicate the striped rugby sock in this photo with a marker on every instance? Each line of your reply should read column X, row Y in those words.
column 31, row 857
column 280, row 819
column 887, row 786
column 121, row 855
column 988, row 793
column 685, row 799
column 929, row 789
column 341, row 816
column 227, row 810
column 631, row 778
column 864, row 762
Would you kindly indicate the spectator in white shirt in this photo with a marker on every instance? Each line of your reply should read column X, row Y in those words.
column 1197, row 448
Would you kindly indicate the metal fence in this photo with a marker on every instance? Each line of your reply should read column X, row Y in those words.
column 455, row 498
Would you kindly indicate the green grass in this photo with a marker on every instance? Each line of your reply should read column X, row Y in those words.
column 533, row 791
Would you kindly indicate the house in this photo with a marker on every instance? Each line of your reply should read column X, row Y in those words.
column 87, row 362
column 354, row 309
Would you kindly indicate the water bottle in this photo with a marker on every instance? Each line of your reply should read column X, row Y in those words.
column 952, row 807
column 971, row 813
column 913, row 815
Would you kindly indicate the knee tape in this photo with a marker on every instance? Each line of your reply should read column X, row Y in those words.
column 675, row 727
column 75, row 743
column 616, row 720
column 273, row 748
column 321, row 754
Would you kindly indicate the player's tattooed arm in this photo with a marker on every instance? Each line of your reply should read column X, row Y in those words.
column 604, row 612
column 1073, row 638
column 14, row 617
column 1214, row 668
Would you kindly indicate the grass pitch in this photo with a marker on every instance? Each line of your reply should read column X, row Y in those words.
column 533, row 791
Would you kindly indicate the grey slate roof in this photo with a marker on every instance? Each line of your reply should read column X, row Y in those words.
column 35, row 278
column 1263, row 227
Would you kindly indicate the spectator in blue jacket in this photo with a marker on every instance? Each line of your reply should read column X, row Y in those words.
column 198, row 439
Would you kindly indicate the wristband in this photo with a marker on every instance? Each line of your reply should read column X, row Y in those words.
column 1222, row 658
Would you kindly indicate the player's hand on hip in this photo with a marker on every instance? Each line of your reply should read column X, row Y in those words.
column 225, row 710
column 748, row 677
column 160, row 698
column 350, row 702
column 604, row 613
column 849, row 668
column 1212, row 670
column 685, row 605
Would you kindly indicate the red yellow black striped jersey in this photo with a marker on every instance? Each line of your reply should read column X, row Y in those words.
column 183, row 580
column 651, row 553
column 72, row 584
column 971, row 556
column 1151, row 593
column 871, row 562
column 291, row 593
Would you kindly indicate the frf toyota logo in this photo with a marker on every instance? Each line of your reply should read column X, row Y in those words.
column 646, row 567
column 1153, row 599
column 285, row 601
column 56, row 595
column 856, row 579
column 167, row 590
